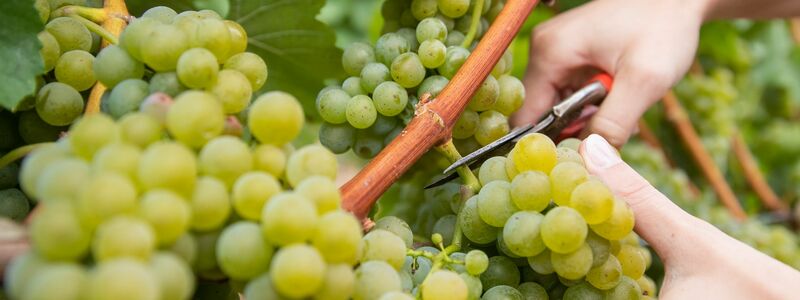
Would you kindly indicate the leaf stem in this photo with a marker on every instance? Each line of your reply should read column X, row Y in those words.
column 99, row 30
column 477, row 10
column 18, row 153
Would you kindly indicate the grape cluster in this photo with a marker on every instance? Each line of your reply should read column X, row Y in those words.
column 423, row 46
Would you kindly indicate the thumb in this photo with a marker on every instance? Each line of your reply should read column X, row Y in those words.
column 658, row 220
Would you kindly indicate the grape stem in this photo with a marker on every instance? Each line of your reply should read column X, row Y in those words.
column 754, row 176
column 118, row 20
column 96, row 15
column 99, row 30
column 477, row 10
column 677, row 116
column 18, row 153
column 449, row 151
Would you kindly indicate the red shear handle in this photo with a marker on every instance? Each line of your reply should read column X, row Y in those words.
column 603, row 78
column 577, row 126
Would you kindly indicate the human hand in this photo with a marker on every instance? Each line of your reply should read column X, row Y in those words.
column 646, row 46
column 700, row 261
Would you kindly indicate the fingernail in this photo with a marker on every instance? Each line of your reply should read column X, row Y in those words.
column 599, row 152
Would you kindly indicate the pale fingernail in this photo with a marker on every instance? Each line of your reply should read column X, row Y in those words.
column 599, row 152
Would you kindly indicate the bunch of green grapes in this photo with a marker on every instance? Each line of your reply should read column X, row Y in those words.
column 423, row 46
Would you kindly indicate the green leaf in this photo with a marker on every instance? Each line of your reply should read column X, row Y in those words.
column 300, row 51
column 20, row 62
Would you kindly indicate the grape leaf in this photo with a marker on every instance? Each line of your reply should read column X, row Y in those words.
column 20, row 62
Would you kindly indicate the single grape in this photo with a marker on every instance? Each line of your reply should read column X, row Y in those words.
column 632, row 261
column 494, row 203
column 168, row 214
column 397, row 226
column 275, row 118
column 332, row 105
column 62, row 180
column 573, row 265
column 251, row 65
column 238, row 37
column 530, row 190
column 70, row 34
column 619, row 224
column 352, row 85
column 50, row 51
column 241, row 252
column 337, row 236
column 309, row 161
column 432, row 53
column 388, row 47
column 383, row 245
column 167, row 83
column 37, row 162
column 161, row 13
column 139, row 129
column 126, row 97
column 571, row 143
column 20, row 271
column 454, row 38
column 431, row 29
column 491, row 126
column 407, row 70
column 297, row 271
column 564, row 177
column 593, row 200
column 466, row 125
column 361, row 112
column 456, row 56
column 564, row 154
column 337, row 138
column 583, row 291
column 535, row 152
column 374, row 74
column 57, row 281
column 486, row 95
column 541, row 263
column 476, row 262
column 474, row 228
column 251, row 191
column 521, row 233
column 375, row 278
column 502, row 292
column 91, row 133
column 136, row 32
column 563, row 230
column 113, row 65
column 390, row 98
column 288, row 218
column 626, row 289
column 339, row 283
column 493, row 169
column 647, row 285
column 356, row 56
column 163, row 47
column 322, row 191
column 409, row 35
column 195, row 118
column 139, row 283
column 168, row 165
column 225, row 158
column 432, row 85
column 601, row 248
column 174, row 276
column 213, row 34
column 444, row 284
column 607, row 275
column 511, row 95
column 270, row 159
column 501, row 271
column 422, row 9
column 123, row 236
column 197, row 68
column 58, row 104
column 260, row 288
column 56, row 233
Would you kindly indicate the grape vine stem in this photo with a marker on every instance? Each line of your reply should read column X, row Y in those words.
column 474, row 23
column 677, row 116
column 434, row 120
column 114, row 24
column 754, row 176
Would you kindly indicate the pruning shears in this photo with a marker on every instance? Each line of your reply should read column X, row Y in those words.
column 559, row 122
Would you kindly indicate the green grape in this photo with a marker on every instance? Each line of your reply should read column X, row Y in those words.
column 241, row 252
column 632, row 261
column 337, row 138
column 491, row 126
column 454, row 38
column 297, row 271
column 309, row 161
column 337, row 237
column 474, row 228
column 123, row 236
column 619, row 224
column 43, row 8
column 375, row 278
column 161, row 13
column 466, row 125
column 532, row 290
column 501, row 271
column 275, row 118
column 139, row 129
column 175, row 278
column 168, row 165
column 476, row 262
column 197, row 68
column 566, row 154
column 167, row 83
column 91, row 133
column 502, row 292
column 210, row 206
column 607, row 275
column 21, row 270
column 56, row 281
column 270, row 159
column 502, row 248
column 14, row 204
column 56, row 233
column 251, row 65
column 113, row 65
column 432, row 85
column 50, row 51
column 168, row 214
column 105, row 195
column 356, row 56
column 288, row 218
column 322, row 191
column 456, row 56
column 225, row 158
column 541, row 263
column 233, row 90
column 35, row 163
column 61, row 180
column 261, row 288
column 564, row 177
column 390, row 98
column 535, row 151
column 453, row 8
column 407, row 70
column 474, row 286
column 411, row 36
column 136, row 32
column 338, row 283
column 583, row 291
column 486, row 95
column 398, row 227
column 361, row 112
column 493, row 169
column 214, row 35
column 422, row 9
column 431, row 29
column 593, row 200
column 395, row 295
column 432, row 53
column 238, row 38
column 388, row 47
column 206, row 256
column 32, row 129
column 444, row 284
column 374, row 74
column 521, row 233
column 332, row 105
column 383, row 245
column 647, row 285
column 494, row 203
column 563, row 230
column 600, row 248
column 163, row 47
column 573, row 265
column 511, row 94
column 70, row 34
column 530, row 190
column 104, row 281
column 251, row 191
column 195, row 118
column 571, row 143
column 445, row 227
column 626, row 289
column 58, row 104
column 504, row 65
column 185, row 248
column 352, row 85
column 126, row 97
